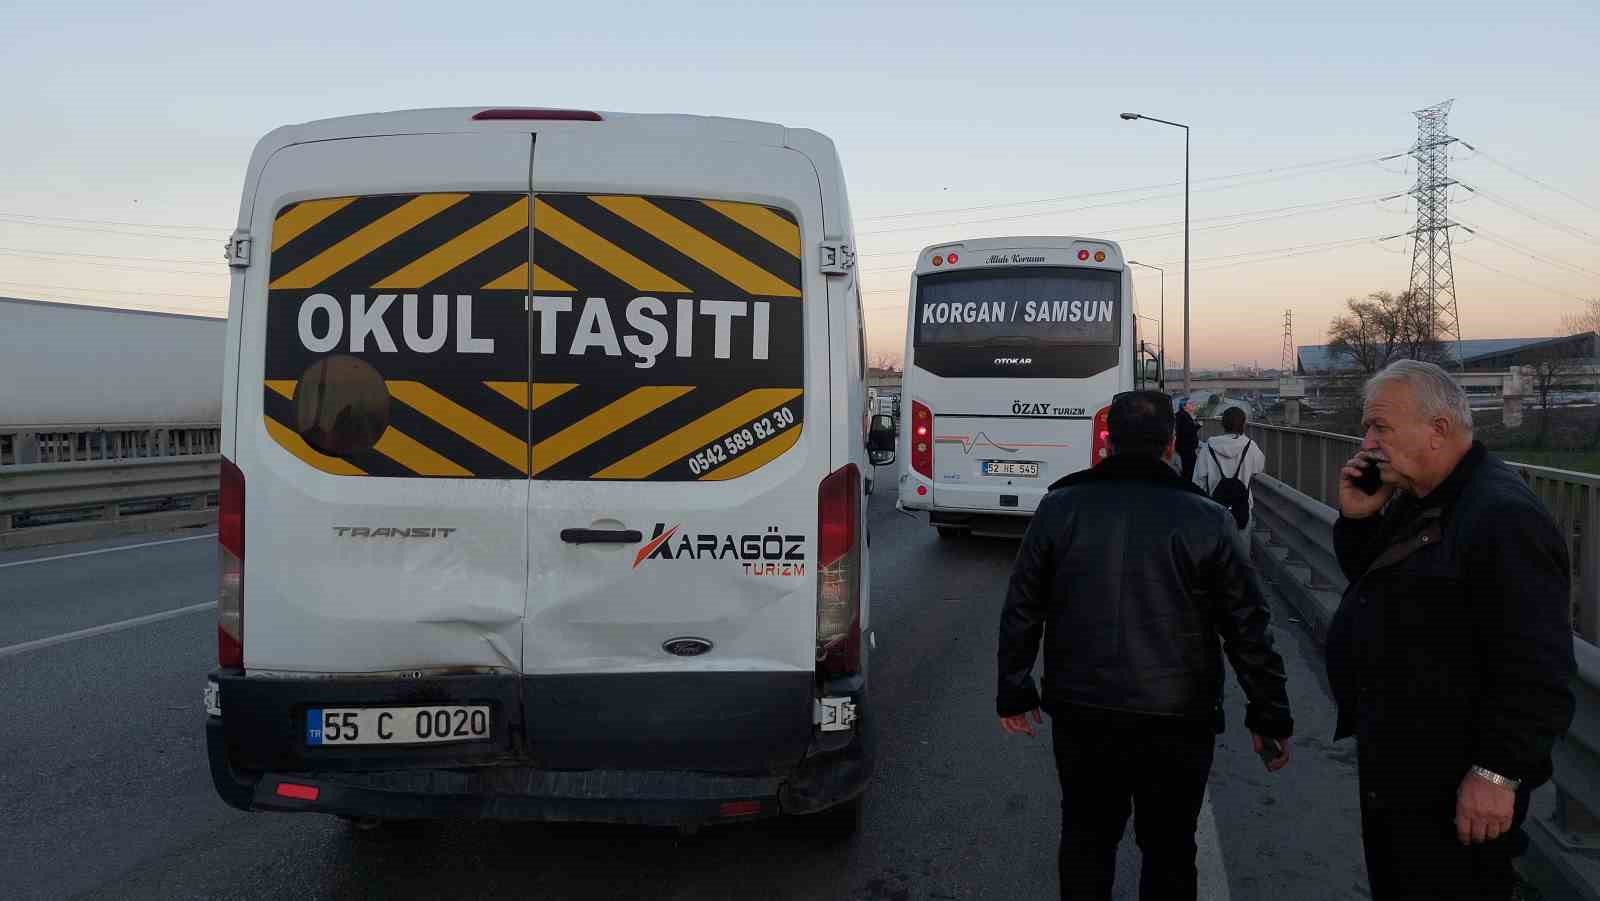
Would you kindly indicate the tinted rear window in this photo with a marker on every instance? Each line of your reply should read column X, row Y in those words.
column 1024, row 306
column 657, row 338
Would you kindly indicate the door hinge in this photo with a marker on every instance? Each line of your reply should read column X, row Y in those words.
column 237, row 253
column 835, row 714
column 837, row 257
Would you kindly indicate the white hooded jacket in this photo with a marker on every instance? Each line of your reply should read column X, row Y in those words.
column 1228, row 448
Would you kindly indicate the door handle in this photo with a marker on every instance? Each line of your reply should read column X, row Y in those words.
column 602, row 536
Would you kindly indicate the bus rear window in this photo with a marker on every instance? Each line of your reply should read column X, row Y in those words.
column 1024, row 306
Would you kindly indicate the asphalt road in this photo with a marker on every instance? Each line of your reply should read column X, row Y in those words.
column 104, row 790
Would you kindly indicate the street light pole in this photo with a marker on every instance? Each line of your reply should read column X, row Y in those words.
column 1131, row 117
column 1161, row 338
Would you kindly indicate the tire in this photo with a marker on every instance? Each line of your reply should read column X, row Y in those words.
column 838, row 823
column 375, row 829
column 950, row 533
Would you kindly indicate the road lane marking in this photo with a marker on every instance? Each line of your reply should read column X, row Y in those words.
column 125, row 547
column 1213, row 869
column 12, row 650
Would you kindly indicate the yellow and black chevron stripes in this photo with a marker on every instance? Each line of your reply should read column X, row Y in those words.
column 597, row 425
column 517, row 280
column 429, row 434
column 667, row 335
column 780, row 230
column 293, row 221
column 294, row 444
column 621, row 245
column 402, row 242
column 320, row 268
column 427, row 269
column 624, row 266
column 705, row 431
column 698, row 246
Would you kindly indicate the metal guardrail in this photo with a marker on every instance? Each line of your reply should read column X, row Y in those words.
column 44, row 503
column 1309, row 462
column 1296, row 506
column 68, row 443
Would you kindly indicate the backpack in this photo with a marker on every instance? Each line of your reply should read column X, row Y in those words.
column 1230, row 492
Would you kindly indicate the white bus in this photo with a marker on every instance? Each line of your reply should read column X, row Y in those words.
column 1014, row 349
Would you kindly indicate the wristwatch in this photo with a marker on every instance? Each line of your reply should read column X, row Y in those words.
column 1496, row 778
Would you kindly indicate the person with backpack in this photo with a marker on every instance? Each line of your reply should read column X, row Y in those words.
column 1226, row 465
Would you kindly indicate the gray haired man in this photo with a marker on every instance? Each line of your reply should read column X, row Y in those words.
column 1451, row 652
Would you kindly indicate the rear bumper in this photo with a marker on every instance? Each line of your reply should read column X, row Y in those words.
column 1002, row 524
column 672, row 750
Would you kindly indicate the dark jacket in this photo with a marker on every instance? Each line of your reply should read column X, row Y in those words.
column 1137, row 583
column 1188, row 435
column 1453, row 644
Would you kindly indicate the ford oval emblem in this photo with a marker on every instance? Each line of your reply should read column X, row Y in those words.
column 686, row 647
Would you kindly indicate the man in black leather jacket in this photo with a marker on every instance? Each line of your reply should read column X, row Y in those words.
column 1451, row 655
column 1137, row 583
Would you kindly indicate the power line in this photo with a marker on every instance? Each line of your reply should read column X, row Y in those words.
column 1287, row 212
column 1519, row 278
column 110, row 231
column 1362, row 158
column 1278, row 253
column 6, row 214
column 1096, row 206
column 1309, row 251
column 110, row 256
column 121, row 267
column 1530, row 214
column 1538, row 181
column 115, row 291
column 1530, row 252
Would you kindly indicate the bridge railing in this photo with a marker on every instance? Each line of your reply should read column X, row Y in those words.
column 1309, row 462
column 1295, row 509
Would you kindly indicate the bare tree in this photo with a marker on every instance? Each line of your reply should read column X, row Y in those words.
column 1552, row 374
column 1365, row 334
column 1383, row 327
column 1586, row 321
column 1418, row 329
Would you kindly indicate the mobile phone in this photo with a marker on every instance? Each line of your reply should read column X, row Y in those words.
column 1271, row 749
column 1371, row 480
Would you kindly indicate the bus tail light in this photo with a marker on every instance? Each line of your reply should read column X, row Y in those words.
column 921, row 439
column 1101, row 445
column 839, row 573
column 230, row 576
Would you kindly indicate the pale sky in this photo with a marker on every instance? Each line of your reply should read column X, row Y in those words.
column 123, row 117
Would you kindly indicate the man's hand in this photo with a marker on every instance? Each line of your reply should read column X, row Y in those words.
column 1353, row 502
column 1019, row 725
column 1281, row 761
column 1483, row 810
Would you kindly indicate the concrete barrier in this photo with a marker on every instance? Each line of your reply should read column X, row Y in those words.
column 48, row 503
column 1293, row 543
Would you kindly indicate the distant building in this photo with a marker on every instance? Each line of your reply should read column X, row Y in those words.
column 1481, row 355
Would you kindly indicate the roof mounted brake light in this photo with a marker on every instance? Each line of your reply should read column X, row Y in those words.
column 537, row 113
